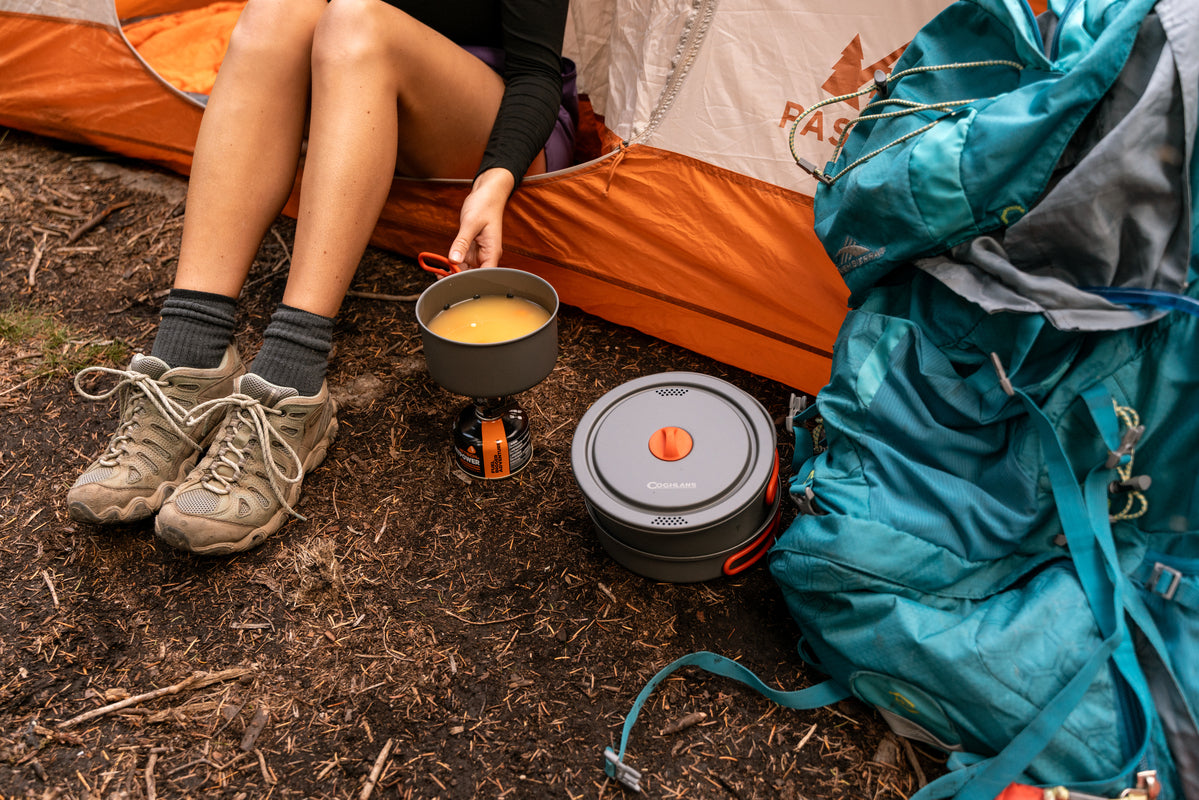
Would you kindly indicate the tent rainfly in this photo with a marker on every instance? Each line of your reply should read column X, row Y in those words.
column 684, row 216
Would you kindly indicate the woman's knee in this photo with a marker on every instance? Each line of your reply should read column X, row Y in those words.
column 275, row 28
column 356, row 32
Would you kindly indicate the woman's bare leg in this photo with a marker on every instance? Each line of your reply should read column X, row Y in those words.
column 249, row 144
column 385, row 94
column 389, row 94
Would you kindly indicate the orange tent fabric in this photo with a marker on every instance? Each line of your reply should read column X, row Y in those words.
column 81, row 82
column 187, row 48
column 772, row 304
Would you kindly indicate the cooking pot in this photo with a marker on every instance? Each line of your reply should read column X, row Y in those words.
column 491, row 369
column 680, row 474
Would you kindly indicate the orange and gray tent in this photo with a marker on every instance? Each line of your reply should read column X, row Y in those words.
column 684, row 216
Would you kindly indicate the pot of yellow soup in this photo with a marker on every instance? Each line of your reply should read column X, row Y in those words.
column 487, row 332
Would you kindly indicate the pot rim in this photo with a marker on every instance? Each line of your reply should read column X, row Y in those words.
column 461, row 277
column 708, row 512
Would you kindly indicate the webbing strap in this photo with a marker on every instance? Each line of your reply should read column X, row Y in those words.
column 1099, row 403
column 822, row 694
column 986, row 780
column 1094, row 555
column 1164, row 580
column 1088, row 534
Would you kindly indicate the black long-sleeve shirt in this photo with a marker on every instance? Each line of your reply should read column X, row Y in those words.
column 530, row 33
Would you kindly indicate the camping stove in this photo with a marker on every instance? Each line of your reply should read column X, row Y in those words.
column 491, row 435
column 492, row 439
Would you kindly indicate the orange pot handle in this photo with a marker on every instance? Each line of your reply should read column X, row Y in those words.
column 745, row 558
column 772, row 488
column 450, row 267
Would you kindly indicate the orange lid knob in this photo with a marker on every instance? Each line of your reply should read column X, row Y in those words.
column 670, row 443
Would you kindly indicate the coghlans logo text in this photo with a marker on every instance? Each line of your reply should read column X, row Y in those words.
column 654, row 485
column 849, row 74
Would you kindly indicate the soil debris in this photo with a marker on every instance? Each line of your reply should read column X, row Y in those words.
column 421, row 634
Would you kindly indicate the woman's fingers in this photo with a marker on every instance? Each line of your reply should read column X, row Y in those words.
column 478, row 243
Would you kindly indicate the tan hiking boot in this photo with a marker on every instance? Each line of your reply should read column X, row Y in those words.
column 249, row 482
column 155, row 446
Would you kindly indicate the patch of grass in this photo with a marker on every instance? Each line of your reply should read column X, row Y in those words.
column 43, row 346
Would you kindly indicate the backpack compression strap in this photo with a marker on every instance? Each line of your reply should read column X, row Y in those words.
column 1084, row 516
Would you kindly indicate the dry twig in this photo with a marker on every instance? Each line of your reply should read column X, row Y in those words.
column 50, row 586
column 393, row 298
column 683, row 723
column 488, row 621
column 805, row 738
column 376, row 771
column 151, row 792
column 254, row 729
column 283, row 244
column 607, row 592
column 196, row 681
column 96, row 219
column 38, row 252
column 921, row 780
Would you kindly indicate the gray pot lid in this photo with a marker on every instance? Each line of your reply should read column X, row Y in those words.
column 677, row 448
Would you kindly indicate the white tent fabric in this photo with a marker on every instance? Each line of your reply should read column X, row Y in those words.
column 722, row 80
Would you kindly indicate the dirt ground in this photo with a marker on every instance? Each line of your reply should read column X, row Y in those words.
column 421, row 635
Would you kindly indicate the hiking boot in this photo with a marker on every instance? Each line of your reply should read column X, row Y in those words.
column 243, row 490
column 155, row 446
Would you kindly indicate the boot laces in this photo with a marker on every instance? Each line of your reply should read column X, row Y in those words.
column 246, row 411
column 145, row 389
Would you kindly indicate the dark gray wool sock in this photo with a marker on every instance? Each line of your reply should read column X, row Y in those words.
column 196, row 329
column 295, row 350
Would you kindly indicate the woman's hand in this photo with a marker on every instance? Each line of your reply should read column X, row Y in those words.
column 480, row 231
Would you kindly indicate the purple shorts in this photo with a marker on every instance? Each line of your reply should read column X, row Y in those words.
column 560, row 146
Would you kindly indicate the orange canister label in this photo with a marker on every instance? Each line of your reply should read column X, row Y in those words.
column 494, row 460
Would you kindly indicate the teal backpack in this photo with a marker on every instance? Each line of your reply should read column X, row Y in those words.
column 984, row 557
column 998, row 538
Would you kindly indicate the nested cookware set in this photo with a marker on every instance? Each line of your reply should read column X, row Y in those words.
column 679, row 471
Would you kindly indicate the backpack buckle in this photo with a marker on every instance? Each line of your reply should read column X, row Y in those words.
column 622, row 772
column 806, row 504
column 795, row 407
column 1148, row 787
column 1128, row 443
column 1155, row 579
column 815, row 171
